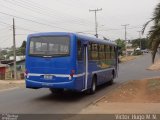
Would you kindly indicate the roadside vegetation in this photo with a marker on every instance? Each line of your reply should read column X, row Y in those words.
column 124, row 59
column 8, row 52
column 133, row 50
column 155, row 66
column 154, row 33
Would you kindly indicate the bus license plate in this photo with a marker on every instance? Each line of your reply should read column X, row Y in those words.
column 48, row 77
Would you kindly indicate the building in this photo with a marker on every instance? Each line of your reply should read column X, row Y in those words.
column 129, row 48
column 7, row 69
column 18, row 58
column 130, row 51
column 20, row 67
column 3, row 69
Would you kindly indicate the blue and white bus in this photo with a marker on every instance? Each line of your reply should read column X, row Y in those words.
column 61, row 60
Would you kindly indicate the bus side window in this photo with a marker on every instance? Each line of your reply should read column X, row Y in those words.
column 114, row 53
column 89, row 51
column 94, row 51
column 110, row 52
column 101, row 52
column 107, row 51
column 79, row 50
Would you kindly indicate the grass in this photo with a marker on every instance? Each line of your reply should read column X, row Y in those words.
column 127, row 58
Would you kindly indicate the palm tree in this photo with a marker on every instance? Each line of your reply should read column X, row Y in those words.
column 154, row 33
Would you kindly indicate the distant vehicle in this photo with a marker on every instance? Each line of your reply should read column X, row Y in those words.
column 70, row 61
column 145, row 51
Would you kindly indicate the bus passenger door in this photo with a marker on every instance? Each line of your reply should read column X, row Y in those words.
column 85, row 66
column 82, row 64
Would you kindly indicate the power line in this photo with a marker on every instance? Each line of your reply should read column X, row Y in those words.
column 38, row 10
column 32, row 21
column 4, row 28
column 6, row 39
column 4, row 23
column 114, row 29
column 53, row 10
column 4, row 36
column 19, row 27
column 22, row 34
column 26, row 29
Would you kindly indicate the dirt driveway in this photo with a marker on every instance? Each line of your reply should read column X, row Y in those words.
column 136, row 96
column 11, row 84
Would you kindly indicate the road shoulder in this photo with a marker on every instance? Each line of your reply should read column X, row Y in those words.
column 136, row 96
column 11, row 84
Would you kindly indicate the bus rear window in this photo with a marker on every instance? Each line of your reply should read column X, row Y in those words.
column 49, row 46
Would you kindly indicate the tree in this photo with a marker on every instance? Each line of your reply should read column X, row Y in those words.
column 136, row 43
column 10, row 53
column 22, row 49
column 121, row 44
column 4, row 52
column 154, row 33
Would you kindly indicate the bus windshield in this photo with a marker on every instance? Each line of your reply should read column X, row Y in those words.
column 49, row 46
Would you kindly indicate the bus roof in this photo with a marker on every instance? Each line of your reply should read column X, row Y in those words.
column 79, row 36
column 96, row 40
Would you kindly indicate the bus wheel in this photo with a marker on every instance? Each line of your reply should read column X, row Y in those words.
column 92, row 90
column 111, row 80
column 53, row 90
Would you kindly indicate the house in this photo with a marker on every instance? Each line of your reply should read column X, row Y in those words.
column 3, row 68
column 20, row 67
column 130, row 51
column 7, row 69
column 18, row 58
column 6, row 61
column 129, row 48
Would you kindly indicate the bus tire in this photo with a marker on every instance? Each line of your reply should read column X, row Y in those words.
column 92, row 90
column 57, row 91
column 112, row 79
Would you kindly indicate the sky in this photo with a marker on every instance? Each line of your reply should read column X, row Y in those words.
column 32, row 16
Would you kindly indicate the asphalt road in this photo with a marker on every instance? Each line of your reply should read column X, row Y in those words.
column 43, row 102
column 136, row 69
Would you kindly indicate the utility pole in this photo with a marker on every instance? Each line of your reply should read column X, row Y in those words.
column 125, row 27
column 96, row 22
column 14, row 50
column 140, row 43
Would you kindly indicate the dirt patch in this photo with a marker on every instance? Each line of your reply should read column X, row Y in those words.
column 136, row 91
column 127, row 58
column 133, row 97
column 7, row 84
column 155, row 66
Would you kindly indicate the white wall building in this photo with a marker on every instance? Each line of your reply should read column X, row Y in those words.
column 18, row 58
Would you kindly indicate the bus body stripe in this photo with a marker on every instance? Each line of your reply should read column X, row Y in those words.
column 98, row 71
column 67, row 75
column 56, row 75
